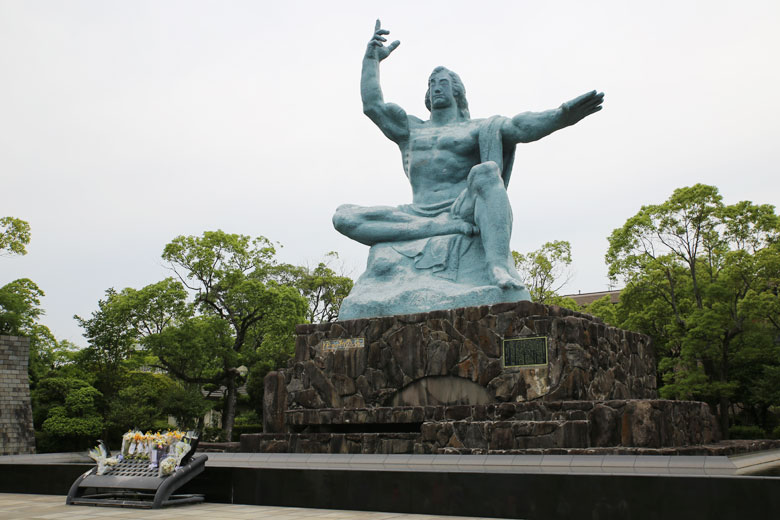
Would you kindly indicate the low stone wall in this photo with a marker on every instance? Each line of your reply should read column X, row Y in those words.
column 494, row 428
column 576, row 424
column 16, row 425
column 457, row 357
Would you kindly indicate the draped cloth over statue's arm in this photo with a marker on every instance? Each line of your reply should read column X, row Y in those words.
column 492, row 146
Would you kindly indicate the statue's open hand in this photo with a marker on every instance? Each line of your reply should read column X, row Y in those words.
column 376, row 49
column 581, row 107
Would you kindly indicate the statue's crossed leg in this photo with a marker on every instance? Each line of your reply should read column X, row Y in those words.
column 481, row 209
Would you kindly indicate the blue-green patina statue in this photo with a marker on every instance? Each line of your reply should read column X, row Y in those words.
column 450, row 247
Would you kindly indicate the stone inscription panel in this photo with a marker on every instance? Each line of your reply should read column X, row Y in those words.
column 525, row 352
column 333, row 345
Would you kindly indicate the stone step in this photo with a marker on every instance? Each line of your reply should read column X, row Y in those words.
column 513, row 427
column 526, row 411
column 650, row 423
column 504, row 435
column 433, row 437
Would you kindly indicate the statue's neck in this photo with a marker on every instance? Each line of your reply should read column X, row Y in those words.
column 445, row 116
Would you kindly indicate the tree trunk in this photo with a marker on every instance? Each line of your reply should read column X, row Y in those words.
column 229, row 416
column 723, row 416
column 725, row 402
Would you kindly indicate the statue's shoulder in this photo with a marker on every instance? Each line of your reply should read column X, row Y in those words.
column 492, row 124
column 415, row 121
column 492, row 120
column 487, row 121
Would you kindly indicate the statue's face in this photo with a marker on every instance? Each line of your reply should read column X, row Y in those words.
column 441, row 90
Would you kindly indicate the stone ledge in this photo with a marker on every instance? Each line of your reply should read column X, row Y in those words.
column 739, row 457
column 523, row 411
column 495, row 428
column 380, row 445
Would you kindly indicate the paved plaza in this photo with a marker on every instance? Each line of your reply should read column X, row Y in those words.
column 50, row 507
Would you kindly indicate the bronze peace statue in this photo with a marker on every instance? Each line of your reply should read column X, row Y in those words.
column 450, row 247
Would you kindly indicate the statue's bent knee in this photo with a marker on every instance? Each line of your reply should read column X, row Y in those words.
column 484, row 176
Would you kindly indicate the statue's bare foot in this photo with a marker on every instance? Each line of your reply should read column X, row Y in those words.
column 448, row 225
column 503, row 279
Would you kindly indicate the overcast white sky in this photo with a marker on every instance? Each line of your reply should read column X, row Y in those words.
column 125, row 124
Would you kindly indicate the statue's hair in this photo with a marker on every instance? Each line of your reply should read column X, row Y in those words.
column 458, row 90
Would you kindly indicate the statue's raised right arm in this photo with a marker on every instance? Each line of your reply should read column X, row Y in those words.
column 389, row 117
column 531, row 126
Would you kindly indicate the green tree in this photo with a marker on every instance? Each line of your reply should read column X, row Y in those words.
column 14, row 236
column 146, row 399
column 763, row 304
column 323, row 288
column 112, row 341
column 52, row 358
column 606, row 310
column 66, row 414
column 546, row 271
column 688, row 265
column 246, row 314
column 20, row 311
column 228, row 314
column 50, row 392
column 186, row 404
column 78, row 420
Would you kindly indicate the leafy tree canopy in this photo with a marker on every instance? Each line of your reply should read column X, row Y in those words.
column 243, row 306
column 546, row 271
column 112, row 341
column 14, row 236
column 701, row 279
column 323, row 288
column 20, row 302
column 225, row 312
column 228, row 315
column 20, row 310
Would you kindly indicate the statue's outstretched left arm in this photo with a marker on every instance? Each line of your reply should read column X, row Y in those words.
column 530, row 126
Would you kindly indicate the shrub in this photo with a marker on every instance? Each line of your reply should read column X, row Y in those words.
column 746, row 432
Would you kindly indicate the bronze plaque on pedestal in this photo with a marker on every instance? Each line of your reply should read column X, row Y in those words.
column 525, row 352
column 333, row 345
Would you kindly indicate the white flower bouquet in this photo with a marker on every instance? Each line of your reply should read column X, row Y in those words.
column 101, row 456
column 175, row 455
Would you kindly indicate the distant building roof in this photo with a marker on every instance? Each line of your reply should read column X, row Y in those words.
column 588, row 298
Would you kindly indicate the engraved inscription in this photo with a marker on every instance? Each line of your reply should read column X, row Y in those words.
column 523, row 352
column 332, row 345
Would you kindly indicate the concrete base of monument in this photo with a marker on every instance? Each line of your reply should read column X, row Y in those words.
column 394, row 284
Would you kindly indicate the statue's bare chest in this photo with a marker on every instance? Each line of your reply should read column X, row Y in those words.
column 460, row 139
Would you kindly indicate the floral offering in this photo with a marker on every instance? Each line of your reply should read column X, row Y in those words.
column 172, row 462
column 101, row 457
column 151, row 446
column 163, row 450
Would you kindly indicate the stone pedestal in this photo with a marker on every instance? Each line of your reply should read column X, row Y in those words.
column 401, row 278
column 16, row 425
column 511, row 376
